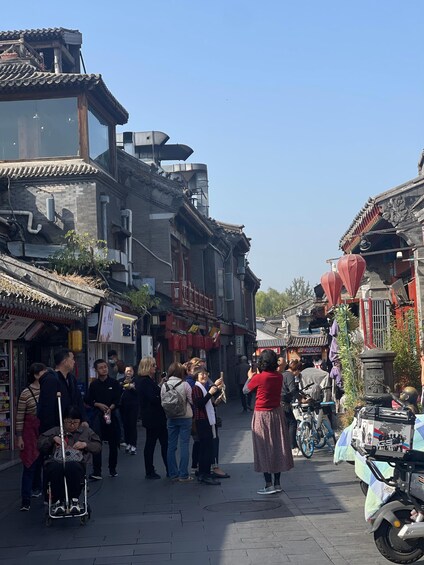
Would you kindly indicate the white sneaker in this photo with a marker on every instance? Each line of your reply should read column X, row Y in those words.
column 128, row 448
column 133, row 450
column 296, row 452
column 267, row 490
column 74, row 507
column 57, row 509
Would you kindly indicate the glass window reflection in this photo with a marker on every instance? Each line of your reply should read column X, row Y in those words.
column 98, row 139
column 33, row 129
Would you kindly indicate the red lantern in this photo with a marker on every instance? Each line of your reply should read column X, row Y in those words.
column 351, row 270
column 332, row 285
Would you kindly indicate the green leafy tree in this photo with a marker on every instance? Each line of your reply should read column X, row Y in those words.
column 270, row 303
column 298, row 291
column 350, row 347
column 141, row 300
column 82, row 255
column 402, row 339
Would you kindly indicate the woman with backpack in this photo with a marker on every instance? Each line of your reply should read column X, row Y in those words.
column 176, row 402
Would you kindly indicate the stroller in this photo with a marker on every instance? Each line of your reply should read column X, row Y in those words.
column 69, row 509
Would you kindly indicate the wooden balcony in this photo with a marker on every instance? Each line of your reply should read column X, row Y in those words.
column 187, row 297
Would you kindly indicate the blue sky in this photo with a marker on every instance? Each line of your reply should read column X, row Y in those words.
column 300, row 109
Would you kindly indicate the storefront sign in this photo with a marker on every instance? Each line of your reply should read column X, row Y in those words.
column 309, row 350
column 260, row 349
column 116, row 326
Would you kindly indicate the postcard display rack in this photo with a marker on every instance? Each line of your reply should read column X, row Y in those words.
column 5, row 404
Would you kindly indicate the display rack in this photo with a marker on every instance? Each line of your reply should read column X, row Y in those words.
column 5, row 405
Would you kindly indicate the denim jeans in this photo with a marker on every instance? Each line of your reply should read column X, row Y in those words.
column 31, row 480
column 178, row 428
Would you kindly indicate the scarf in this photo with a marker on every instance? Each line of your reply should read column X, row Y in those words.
column 210, row 412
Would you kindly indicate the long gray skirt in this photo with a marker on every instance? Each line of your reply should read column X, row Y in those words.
column 271, row 445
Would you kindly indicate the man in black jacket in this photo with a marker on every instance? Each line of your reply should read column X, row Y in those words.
column 59, row 380
column 103, row 395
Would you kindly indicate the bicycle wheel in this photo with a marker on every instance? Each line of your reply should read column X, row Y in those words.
column 305, row 441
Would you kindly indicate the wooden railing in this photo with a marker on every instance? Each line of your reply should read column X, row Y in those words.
column 187, row 296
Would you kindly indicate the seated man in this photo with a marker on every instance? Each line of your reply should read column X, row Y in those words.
column 80, row 441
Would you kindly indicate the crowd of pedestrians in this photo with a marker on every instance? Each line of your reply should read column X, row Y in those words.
column 175, row 409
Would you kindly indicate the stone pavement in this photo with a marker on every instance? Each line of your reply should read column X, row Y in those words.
column 318, row 519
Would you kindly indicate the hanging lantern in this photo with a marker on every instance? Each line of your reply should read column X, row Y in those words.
column 332, row 285
column 75, row 341
column 351, row 268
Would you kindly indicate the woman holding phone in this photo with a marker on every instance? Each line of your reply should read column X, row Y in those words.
column 271, row 444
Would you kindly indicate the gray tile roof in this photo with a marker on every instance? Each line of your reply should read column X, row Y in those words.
column 46, row 169
column 308, row 341
column 23, row 77
column 36, row 34
column 282, row 342
column 24, row 297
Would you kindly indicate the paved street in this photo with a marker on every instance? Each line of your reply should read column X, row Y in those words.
column 318, row 519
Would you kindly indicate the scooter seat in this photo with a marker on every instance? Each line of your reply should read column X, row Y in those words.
column 414, row 456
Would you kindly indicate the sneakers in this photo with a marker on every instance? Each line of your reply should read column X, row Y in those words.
column 57, row 509
column 278, row 488
column 36, row 494
column 128, row 448
column 153, row 475
column 74, row 507
column 113, row 473
column 267, row 490
column 185, row 479
column 296, row 452
column 133, row 450
column 95, row 477
column 25, row 507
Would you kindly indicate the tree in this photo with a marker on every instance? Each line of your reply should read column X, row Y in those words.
column 298, row 291
column 402, row 339
column 82, row 255
column 272, row 302
column 141, row 300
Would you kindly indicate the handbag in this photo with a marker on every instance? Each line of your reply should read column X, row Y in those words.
column 70, row 455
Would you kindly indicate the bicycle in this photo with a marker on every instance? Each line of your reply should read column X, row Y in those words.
column 314, row 430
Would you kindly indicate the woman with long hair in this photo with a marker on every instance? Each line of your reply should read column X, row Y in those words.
column 271, row 445
column 152, row 415
column 27, row 430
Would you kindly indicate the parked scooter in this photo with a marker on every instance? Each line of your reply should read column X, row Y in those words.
column 398, row 526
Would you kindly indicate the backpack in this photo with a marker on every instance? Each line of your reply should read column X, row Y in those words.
column 173, row 403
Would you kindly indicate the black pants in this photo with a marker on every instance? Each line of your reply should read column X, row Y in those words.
column 195, row 454
column 109, row 433
column 292, row 426
column 152, row 436
column 206, row 455
column 74, row 472
column 246, row 399
column 129, row 415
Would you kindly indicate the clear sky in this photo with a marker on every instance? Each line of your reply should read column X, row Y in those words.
column 302, row 110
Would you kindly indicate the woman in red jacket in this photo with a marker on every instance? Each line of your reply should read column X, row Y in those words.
column 271, row 445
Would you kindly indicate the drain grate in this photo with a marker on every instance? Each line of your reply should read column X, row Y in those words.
column 243, row 506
